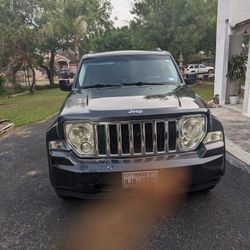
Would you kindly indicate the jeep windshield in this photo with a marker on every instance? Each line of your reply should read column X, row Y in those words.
column 120, row 71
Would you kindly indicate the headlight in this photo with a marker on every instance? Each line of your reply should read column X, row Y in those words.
column 192, row 131
column 81, row 137
column 213, row 137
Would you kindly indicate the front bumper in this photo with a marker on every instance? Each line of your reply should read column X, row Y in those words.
column 77, row 177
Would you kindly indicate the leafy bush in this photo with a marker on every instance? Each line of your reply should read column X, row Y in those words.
column 237, row 67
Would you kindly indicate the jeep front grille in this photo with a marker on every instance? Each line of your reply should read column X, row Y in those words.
column 136, row 138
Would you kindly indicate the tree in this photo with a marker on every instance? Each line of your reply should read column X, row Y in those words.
column 67, row 24
column 185, row 26
column 82, row 20
column 48, row 20
column 18, row 38
column 113, row 39
column 32, row 30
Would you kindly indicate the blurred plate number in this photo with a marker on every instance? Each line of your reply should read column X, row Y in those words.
column 131, row 179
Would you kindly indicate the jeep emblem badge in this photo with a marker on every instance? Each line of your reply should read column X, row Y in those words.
column 136, row 111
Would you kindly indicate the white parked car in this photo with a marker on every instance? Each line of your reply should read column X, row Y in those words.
column 199, row 69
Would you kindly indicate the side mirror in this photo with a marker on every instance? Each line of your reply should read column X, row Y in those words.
column 191, row 79
column 65, row 85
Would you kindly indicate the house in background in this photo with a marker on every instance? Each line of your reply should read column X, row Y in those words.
column 233, row 23
column 66, row 59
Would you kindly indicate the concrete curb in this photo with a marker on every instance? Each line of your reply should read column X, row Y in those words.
column 19, row 94
column 38, row 122
column 237, row 151
column 44, row 120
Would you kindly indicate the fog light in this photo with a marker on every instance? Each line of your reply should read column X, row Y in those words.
column 213, row 137
column 86, row 147
column 56, row 145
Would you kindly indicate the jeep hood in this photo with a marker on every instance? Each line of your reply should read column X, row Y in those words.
column 131, row 101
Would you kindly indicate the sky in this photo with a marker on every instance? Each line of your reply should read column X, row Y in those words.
column 121, row 10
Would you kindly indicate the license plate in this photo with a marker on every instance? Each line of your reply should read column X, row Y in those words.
column 131, row 179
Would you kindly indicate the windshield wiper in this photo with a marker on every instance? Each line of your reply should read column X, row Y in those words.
column 142, row 83
column 102, row 85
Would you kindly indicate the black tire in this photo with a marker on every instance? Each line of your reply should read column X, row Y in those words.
column 207, row 190
column 64, row 197
column 210, row 72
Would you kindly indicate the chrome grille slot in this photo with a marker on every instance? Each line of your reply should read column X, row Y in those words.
column 172, row 135
column 148, row 137
column 125, row 138
column 137, row 132
column 136, row 138
column 113, row 139
column 161, row 136
column 101, row 139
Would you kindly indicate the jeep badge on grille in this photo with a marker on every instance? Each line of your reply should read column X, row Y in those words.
column 136, row 111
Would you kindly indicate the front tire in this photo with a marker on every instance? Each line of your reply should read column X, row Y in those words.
column 207, row 190
column 63, row 197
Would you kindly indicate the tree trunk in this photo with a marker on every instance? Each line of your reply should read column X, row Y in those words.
column 48, row 72
column 33, row 84
column 28, row 77
column 51, row 71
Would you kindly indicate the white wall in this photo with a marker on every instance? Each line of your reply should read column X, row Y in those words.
column 222, row 49
column 230, row 13
column 246, row 105
column 239, row 11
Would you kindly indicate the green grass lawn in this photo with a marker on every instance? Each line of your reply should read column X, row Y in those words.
column 205, row 91
column 27, row 109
